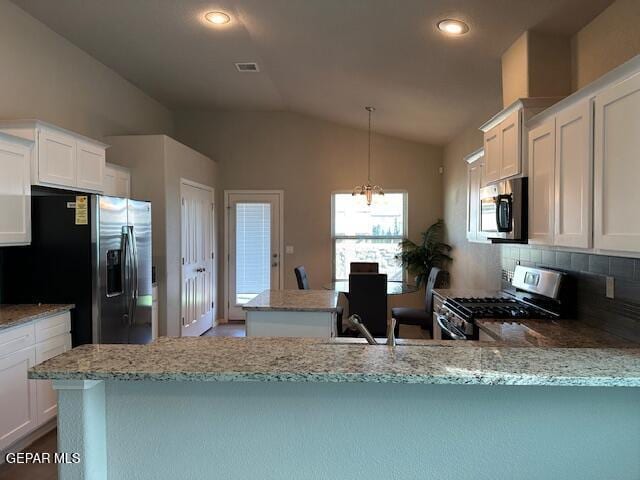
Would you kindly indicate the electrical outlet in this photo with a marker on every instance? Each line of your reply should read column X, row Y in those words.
column 289, row 250
column 610, row 290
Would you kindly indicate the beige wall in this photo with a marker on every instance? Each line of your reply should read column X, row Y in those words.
column 475, row 265
column 309, row 158
column 157, row 164
column 526, row 65
column 515, row 70
column 612, row 38
column 44, row 76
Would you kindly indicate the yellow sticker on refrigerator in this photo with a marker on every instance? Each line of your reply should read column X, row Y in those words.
column 82, row 210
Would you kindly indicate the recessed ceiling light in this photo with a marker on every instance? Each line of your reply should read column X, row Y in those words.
column 218, row 18
column 453, row 27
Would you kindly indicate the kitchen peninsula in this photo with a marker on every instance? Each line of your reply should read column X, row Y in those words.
column 276, row 408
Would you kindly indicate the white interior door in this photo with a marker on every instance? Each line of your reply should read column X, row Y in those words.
column 198, row 287
column 254, row 247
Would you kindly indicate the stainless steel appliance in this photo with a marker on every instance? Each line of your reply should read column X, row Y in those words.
column 503, row 211
column 122, row 270
column 537, row 293
column 98, row 258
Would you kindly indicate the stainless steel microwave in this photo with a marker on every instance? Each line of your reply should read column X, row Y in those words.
column 503, row 211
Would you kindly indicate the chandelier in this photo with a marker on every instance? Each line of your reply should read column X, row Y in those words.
column 368, row 190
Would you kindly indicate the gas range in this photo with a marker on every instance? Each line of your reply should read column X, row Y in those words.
column 503, row 307
column 535, row 295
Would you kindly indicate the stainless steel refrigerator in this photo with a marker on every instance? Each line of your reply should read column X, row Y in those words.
column 98, row 258
column 121, row 270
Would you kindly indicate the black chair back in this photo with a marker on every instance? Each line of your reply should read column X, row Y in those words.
column 363, row 267
column 438, row 278
column 368, row 299
column 301, row 277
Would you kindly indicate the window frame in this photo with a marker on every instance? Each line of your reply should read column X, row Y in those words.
column 405, row 228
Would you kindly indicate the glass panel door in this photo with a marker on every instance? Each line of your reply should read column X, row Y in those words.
column 254, row 248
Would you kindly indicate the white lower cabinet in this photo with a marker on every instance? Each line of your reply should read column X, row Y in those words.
column 28, row 404
column 47, row 400
column 17, row 396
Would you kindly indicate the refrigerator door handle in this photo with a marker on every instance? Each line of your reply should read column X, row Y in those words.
column 128, row 268
column 134, row 267
column 126, row 275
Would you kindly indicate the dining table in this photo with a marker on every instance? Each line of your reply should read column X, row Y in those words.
column 394, row 287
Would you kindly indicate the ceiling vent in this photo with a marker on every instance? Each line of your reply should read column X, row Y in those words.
column 247, row 67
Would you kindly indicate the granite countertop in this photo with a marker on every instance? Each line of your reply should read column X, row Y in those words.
column 295, row 300
column 268, row 359
column 466, row 292
column 12, row 315
column 552, row 333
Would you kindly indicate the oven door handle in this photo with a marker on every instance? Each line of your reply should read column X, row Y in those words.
column 444, row 325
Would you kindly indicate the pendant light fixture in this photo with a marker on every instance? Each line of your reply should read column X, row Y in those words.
column 368, row 190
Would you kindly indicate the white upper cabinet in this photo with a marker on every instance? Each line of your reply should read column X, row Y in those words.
column 56, row 158
column 505, row 139
column 61, row 159
column 617, row 167
column 91, row 164
column 511, row 145
column 541, row 147
column 574, row 164
column 492, row 156
column 560, row 165
column 475, row 165
column 15, row 190
column 117, row 181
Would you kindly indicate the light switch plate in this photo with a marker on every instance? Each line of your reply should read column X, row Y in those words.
column 289, row 250
column 610, row 293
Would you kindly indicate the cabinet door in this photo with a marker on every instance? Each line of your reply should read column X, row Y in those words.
column 56, row 158
column 474, row 174
column 511, row 145
column 617, row 167
column 91, row 162
column 47, row 399
column 15, row 193
column 123, row 183
column 17, row 396
column 492, row 152
column 541, row 146
column 573, row 191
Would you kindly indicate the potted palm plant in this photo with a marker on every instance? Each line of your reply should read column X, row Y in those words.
column 418, row 258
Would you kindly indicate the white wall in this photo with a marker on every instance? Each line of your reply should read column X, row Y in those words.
column 45, row 76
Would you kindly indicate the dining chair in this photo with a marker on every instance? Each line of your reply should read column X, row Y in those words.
column 363, row 267
column 438, row 278
column 301, row 277
column 368, row 299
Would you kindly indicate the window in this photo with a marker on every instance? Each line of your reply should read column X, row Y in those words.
column 364, row 233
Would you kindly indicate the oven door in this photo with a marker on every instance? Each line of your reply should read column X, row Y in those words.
column 448, row 331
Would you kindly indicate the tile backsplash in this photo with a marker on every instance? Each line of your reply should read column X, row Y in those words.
column 619, row 315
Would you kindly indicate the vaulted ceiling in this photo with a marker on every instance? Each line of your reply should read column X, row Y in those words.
column 327, row 58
